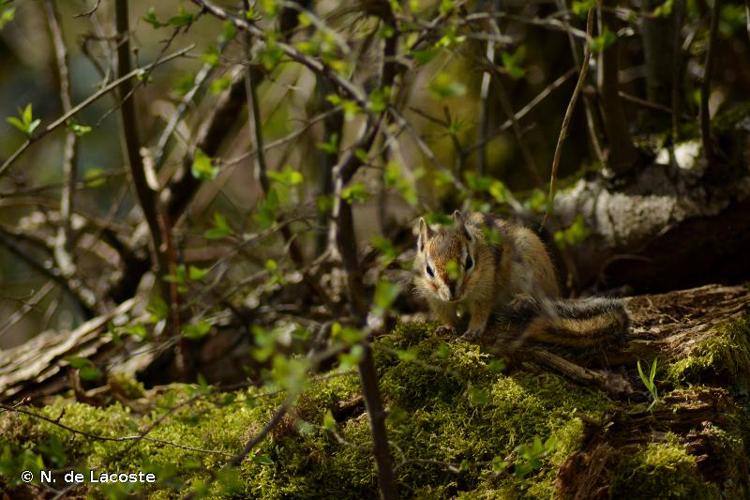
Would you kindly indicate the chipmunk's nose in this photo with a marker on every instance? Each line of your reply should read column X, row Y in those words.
column 452, row 286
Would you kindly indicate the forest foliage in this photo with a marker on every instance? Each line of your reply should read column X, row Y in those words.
column 215, row 201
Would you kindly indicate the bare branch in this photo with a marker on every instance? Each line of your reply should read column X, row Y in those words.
column 158, row 223
column 314, row 65
column 568, row 115
column 588, row 105
column 85, row 103
column 70, row 152
column 85, row 298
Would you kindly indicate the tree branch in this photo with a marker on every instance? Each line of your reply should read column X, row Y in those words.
column 85, row 298
column 568, row 115
column 158, row 223
column 85, row 103
column 63, row 245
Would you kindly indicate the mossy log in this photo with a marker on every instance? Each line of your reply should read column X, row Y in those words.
column 462, row 422
column 700, row 335
column 663, row 228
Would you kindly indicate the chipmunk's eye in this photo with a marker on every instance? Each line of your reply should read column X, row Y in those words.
column 429, row 271
column 469, row 262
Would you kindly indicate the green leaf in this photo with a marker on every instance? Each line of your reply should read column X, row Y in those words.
column 90, row 373
column 183, row 18
column 138, row 331
column 355, row 192
column 329, row 423
column 228, row 32
column 7, row 15
column 211, row 56
column 78, row 128
column 350, row 360
column 388, row 252
column 184, row 84
column 86, row 369
column 498, row 191
column 573, row 235
column 499, row 465
column 219, row 85
column 348, row 336
column 288, row 176
column 331, row 146
column 581, row 8
column 78, row 361
column 267, row 209
column 32, row 126
column 221, row 228
column 197, row 273
column 270, row 55
column 603, row 41
column 196, row 330
column 151, row 18
column 378, row 101
column 664, row 9
column 443, row 86
column 26, row 115
column 202, row 168
column 16, row 123
column 25, row 121
column 512, row 60
column 94, row 177
column 424, row 56
column 385, row 294
column 263, row 460
column 361, row 155
column 393, row 178
column 351, row 109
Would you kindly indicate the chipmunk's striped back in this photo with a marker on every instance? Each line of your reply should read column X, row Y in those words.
column 485, row 265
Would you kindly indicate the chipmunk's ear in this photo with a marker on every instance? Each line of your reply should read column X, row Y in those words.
column 424, row 233
column 458, row 220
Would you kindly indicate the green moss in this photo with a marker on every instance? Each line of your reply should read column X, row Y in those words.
column 722, row 357
column 459, row 423
column 661, row 470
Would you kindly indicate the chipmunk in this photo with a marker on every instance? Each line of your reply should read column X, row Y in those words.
column 486, row 265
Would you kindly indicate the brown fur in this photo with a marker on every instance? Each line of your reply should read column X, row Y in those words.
column 515, row 268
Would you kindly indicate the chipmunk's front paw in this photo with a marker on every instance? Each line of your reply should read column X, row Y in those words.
column 471, row 335
column 445, row 330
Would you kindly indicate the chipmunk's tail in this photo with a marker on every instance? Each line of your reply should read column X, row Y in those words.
column 571, row 322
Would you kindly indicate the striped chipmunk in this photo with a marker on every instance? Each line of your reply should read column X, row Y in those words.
column 496, row 272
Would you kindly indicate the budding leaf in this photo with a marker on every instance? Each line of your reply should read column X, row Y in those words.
column 202, row 168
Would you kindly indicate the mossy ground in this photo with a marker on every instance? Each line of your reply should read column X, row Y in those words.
column 722, row 357
column 460, row 423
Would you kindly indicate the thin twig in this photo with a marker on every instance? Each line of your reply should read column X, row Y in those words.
column 26, row 307
column 63, row 244
column 89, row 12
column 484, row 93
column 85, row 103
column 568, row 115
column 315, row 65
column 588, row 105
column 85, row 298
column 159, row 224
column 99, row 437
column 527, row 108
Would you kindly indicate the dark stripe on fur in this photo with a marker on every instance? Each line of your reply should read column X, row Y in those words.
column 546, row 317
